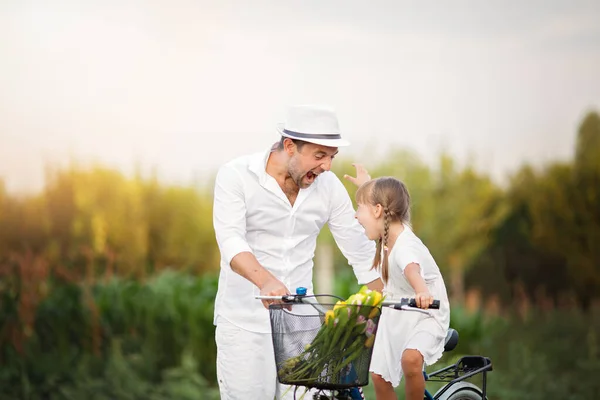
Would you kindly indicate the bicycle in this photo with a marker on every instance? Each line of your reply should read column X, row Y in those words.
column 291, row 335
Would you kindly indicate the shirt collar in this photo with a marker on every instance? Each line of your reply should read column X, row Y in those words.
column 258, row 166
column 258, row 163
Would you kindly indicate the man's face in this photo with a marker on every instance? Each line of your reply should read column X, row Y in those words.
column 308, row 161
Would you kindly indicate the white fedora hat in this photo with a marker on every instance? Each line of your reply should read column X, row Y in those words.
column 314, row 124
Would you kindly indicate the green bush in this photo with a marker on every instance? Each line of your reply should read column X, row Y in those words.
column 138, row 341
column 548, row 355
column 155, row 340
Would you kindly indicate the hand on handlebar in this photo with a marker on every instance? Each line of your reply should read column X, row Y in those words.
column 273, row 287
column 424, row 299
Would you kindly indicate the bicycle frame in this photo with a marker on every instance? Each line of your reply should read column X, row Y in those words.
column 428, row 395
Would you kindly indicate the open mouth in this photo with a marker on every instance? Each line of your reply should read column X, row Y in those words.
column 311, row 176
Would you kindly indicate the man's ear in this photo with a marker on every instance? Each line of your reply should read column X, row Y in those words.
column 289, row 146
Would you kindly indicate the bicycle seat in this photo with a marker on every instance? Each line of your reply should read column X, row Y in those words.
column 451, row 339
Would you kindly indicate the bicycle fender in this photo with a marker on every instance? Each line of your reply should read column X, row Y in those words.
column 458, row 386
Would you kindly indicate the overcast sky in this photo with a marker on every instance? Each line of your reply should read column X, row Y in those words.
column 154, row 82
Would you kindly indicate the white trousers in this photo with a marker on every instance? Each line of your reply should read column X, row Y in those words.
column 246, row 366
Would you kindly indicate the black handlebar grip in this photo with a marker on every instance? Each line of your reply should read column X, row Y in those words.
column 434, row 306
column 289, row 298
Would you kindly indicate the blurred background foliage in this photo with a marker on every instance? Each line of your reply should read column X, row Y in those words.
column 107, row 282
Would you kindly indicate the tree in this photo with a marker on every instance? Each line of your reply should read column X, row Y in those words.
column 587, row 151
column 548, row 241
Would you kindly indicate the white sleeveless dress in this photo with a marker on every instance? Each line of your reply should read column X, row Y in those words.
column 400, row 330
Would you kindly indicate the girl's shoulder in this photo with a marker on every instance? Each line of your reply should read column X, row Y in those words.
column 410, row 248
column 408, row 238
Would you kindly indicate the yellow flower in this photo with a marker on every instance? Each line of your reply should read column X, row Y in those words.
column 339, row 304
column 373, row 298
column 369, row 342
column 329, row 316
column 376, row 297
column 374, row 312
column 359, row 298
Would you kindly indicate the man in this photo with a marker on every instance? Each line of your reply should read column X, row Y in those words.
column 268, row 211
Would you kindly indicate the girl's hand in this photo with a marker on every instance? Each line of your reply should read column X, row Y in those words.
column 362, row 175
column 424, row 299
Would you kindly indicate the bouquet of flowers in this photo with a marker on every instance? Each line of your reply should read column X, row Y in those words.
column 347, row 331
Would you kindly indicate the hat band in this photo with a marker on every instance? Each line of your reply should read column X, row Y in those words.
column 311, row 135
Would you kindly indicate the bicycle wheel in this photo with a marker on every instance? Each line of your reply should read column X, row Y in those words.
column 462, row 391
column 347, row 394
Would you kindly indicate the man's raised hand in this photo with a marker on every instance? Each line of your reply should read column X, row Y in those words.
column 362, row 175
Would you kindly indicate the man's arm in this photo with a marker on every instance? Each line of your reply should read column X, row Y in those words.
column 362, row 176
column 350, row 236
column 248, row 266
column 229, row 221
column 377, row 284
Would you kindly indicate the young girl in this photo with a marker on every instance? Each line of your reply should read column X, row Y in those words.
column 405, row 340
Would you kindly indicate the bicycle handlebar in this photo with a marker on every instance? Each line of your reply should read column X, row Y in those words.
column 400, row 304
column 410, row 302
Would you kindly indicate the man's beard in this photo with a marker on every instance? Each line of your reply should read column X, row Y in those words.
column 299, row 178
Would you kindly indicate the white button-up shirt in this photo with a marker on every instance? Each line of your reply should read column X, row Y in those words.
column 251, row 213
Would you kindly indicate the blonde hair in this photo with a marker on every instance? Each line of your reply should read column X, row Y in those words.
column 393, row 196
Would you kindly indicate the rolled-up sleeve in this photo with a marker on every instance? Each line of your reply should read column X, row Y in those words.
column 409, row 255
column 349, row 235
column 229, row 213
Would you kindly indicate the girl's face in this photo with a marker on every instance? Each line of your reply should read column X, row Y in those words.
column 370, row 217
